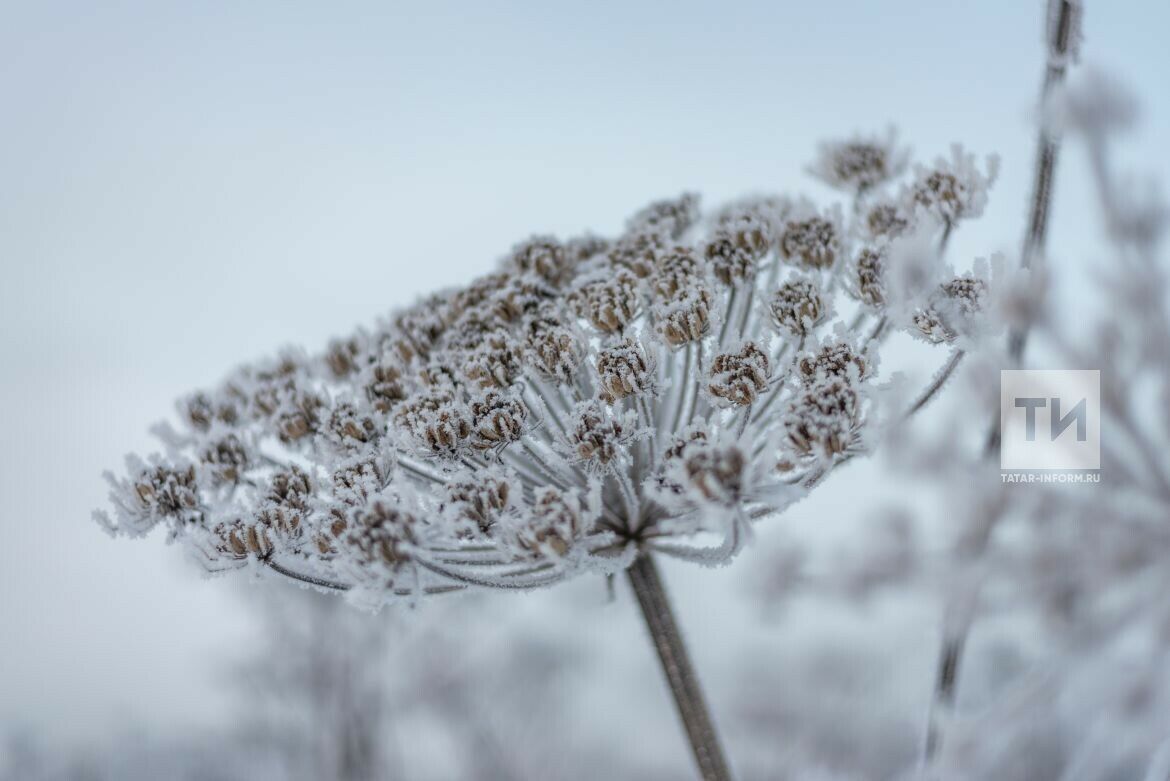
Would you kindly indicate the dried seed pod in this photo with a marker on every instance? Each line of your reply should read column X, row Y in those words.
column 378, row 534
column 347, row 428
column 952, row 189
column 676, row 270
column 479, row 501
column 823, row 419
column 237, row 540
column 886, row 221
column 552, row 349
column 637, row 253
column 690, row 439
column 384, row 385
column 498, row 419
column 166, row 492
column 609, row 304
column 797, row 307
column 717, row 473
column 836, row 359
column 740, row 377
column 418, row 329
column 227, row 459
column 496, row 362
column 199, row 411
column 354, row 481
column 553, row 526
column 581, row 248
column 814, row 242
column 731, row 262
column 952, row 310
column 669, row 218
column 540, row 255
column 687, row 319
column 519, row 296
column 869, row 278
column 596, row 436
column 860, row 164
column 342, row 357
column 626, row 369
column 437, row 423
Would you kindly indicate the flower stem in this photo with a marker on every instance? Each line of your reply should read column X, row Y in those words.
column 676, row 664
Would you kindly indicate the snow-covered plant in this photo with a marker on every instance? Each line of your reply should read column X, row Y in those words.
column 591, row 402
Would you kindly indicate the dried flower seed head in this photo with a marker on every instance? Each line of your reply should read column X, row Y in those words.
column 161, row 492
column 637, row 253
column 823, row 420
column 499, row 419
column 868, row 280
column 349, row 429
column 555, row 523
column 383, row 385
column 687, row 318
column 227, row 459
column 583, row 248
column 354, row 481
column 953, row 310
column 597, row 436
column 797, row 307
column 953, row 189
column 437, row 424
column 520, row 296
column 668, row 218
column 343, row 356
column 738, row 378
column 859, row 164
column 478, row 502
column 300, row 416
column 200, row 411
column 418, row 329
column 541, row 255
column 677, row 270
column 609, row 304
column 833, row 360
column 886, row 221
column 626, row 369
column 379, row 533
column 496, row 362
column 717, row 472
column 552, row 349
column 731, row 263
column 812, row 241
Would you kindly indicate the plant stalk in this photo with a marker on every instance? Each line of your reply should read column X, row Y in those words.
column 1064, row 20
column 676, row 664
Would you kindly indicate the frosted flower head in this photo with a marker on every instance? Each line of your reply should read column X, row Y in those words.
column 592, row 397
column 811, row 239
column 858, row 164
column 626, row 369
column 952, row 189
column 822, row 422
column 738, row 378
column 797, row 307
column 953, row 309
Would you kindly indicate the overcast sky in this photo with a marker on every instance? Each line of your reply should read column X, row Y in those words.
column 185, row 186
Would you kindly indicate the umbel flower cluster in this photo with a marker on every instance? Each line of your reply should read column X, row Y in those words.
column 659, row 390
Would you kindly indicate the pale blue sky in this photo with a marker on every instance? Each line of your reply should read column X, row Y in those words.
column 184, row 186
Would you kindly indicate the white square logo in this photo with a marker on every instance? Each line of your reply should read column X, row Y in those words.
column 1050, row 419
